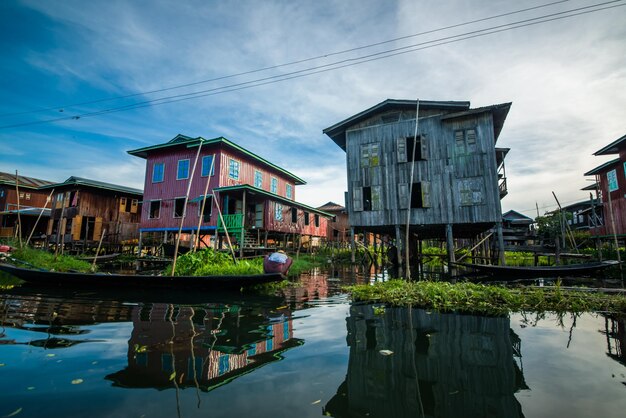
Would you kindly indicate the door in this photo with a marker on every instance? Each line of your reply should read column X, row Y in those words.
column 258, row 215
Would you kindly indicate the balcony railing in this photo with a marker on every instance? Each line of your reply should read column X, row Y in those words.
column 232, row 223
column 502, row 188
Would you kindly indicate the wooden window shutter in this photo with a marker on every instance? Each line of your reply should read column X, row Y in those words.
column 365, row 155
column 357, row 199
column 97, row 228
column 76, row 225
column 50, row 225
column 401, row 149
column 133, row 205
column 403, row 195
column 377, row 201
column 66, row 199
column 424, row 147
column 374, row 155
column 425, row 194
column 122, row 204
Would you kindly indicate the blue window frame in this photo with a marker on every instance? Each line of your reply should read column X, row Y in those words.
column 278, row 212
column 274, row 185
column 252, row 350
column 223, row 364
column 183, row 170
column 611, row 177
column 158, row 172
column 233, row 169
column 207, row 160
column 624, row 170
column 288, row 191
column 258, row 179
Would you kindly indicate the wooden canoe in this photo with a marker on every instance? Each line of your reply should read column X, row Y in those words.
column 518, row 272
column 54, row 278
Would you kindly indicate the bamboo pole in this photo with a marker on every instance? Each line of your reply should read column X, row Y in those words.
column 182, row 218
column 60, row 234
column 569, row 233
column 95, row 258
column 230, row 246
column 475, row 246
column 408, row 209
column 19, row 218
column 48, row 199
column 206, row 190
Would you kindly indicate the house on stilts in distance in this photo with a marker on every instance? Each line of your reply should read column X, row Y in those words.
column 233, row 194
column 447, row 181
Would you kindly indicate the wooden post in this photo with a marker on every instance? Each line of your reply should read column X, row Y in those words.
column 243, row 222
column 230, row 246
column 60, row 234
column 139, row 244
column 95, row 258
column 619, row 259
column 408, row 209
column 48, row 199
column 450, row 244
column 352, row 246
column 500, row 243
column 206, row 190
column 19, row 218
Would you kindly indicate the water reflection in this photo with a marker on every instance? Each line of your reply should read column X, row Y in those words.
column 203, row 345
column 413, row 363
column 615, row 332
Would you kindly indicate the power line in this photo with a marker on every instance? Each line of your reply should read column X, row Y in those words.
column 336, row 65
column 288, row 63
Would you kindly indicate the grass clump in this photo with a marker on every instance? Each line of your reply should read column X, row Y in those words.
column 208, row 262
column 45, row 260
column 486, row 299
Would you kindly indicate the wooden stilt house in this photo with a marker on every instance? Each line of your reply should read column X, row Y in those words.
column 83, row 209
column 22, row 201
column 444, row 178
column 232, row 193
column 611, row 189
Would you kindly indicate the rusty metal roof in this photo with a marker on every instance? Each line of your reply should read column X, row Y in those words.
column 29, row 182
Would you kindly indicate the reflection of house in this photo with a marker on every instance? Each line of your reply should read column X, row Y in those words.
column 615, row 331
column 85, row 209
column 338, row 229
column 458, row 173
column 611, row 180
column 256, row 197
column 517, row 228
column 31, row 201
column 203, row 347
column 441, row 365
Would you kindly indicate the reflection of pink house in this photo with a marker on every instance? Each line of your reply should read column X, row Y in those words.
column 256, row 197
column 203, row 347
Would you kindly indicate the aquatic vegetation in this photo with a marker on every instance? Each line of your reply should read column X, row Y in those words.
column 209, row 262
column 486, row 299
column 31, row 257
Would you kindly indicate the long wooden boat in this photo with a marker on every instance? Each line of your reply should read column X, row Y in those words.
column 518, row 272
column 101, row 258
column 121, row 281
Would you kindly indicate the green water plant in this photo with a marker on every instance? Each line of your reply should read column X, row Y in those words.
column 35, row 258
column 208, row 262
column 483, row 299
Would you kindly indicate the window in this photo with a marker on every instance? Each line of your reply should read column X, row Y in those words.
column 465, row 141
column 294, row 215
column 316, row 219
column 288, row 191
column 124, row 205
column 274, row 185
column 208, row 208
column 258, row 179
column 611, row 177
column 158, row 172
column 233, row 169
column 420, row 195
column 278, row 212
column 208, row 164
column 624, row 173
column 27, row 196
column 179, row 207
column 405, row 148
column 155, row 209
column 21, row 195
column 370, row 155
column 306, row 218
column 471, row 191
column 370, row 198
column 183, row 170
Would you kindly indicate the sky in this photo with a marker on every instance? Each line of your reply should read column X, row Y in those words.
column 84, row 82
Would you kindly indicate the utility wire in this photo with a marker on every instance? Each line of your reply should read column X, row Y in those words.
column 345, row 51
column 338, row 64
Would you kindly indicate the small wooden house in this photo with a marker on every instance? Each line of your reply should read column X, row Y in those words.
column 222, row 190
column 445, row 177
column 517, row 229
column 611, row 180
column 21, row 200
column 338, row 227
column 85, row 211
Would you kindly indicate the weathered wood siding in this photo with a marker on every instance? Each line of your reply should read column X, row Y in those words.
column 288, row 226
column 614, row 212
column 449, row 171
column 28, row 198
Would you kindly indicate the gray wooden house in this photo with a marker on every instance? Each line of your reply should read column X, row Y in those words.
column 458, row 174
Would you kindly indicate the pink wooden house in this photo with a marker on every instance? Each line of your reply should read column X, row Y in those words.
column 255, row 197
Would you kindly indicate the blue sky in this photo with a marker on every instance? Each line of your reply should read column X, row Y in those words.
column 566, row 79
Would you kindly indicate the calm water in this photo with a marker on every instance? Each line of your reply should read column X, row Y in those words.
column 307, row 353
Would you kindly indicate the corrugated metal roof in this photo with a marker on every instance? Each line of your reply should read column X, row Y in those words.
column 612, row 148
column 599, row 169
column 332, row 206
column 79, row 181
column 29, row 182
column 180, row 139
